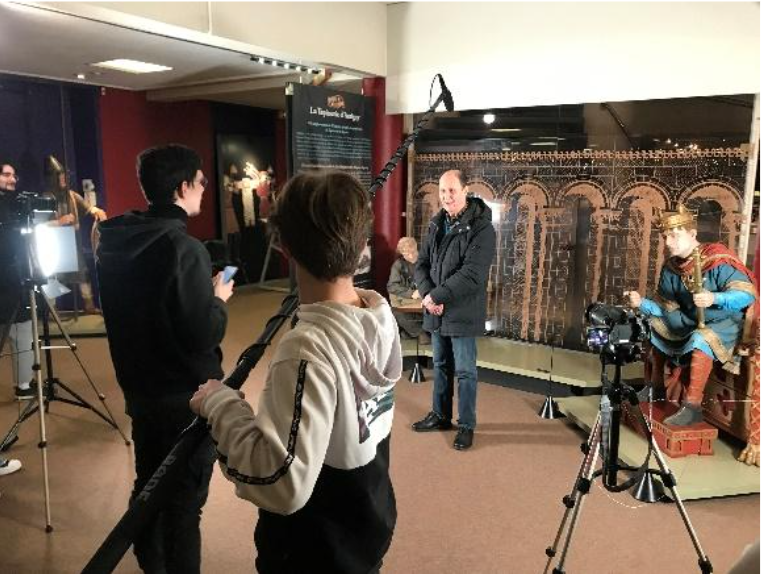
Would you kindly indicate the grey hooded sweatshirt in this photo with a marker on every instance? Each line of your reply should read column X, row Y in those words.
column 315, row 457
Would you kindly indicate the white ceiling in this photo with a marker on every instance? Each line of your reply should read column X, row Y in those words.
column 47, row 44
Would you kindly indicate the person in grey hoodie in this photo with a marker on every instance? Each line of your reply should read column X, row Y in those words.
column 315, row 457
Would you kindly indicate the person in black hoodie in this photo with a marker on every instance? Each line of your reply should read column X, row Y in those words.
column 15, row 317
column 451, row 276
column 165, row 318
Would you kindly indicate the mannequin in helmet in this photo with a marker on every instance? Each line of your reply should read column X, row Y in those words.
column 71, row 208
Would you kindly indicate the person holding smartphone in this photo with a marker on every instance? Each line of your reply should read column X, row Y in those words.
column 165, row 318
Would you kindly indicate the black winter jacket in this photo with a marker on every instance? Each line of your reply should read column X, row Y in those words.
column 453, row 269
column 164, row 323
column 14, row 301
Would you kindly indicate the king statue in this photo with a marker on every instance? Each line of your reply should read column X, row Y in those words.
column 697, row 316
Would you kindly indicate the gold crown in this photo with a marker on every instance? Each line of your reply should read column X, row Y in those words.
column 672, row 219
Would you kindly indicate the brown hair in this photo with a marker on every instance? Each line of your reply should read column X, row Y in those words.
column 324, row 220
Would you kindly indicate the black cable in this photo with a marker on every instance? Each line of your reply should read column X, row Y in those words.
column 390, row 165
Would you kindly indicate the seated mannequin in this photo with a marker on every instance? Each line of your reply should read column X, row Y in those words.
column 684, row 351
column 403, row 292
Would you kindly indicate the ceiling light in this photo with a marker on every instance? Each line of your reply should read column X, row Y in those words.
column 489, row 118
column 132, row 66
column 285, row 65
column 543, row 143
column 506, row 130
column 81, row 76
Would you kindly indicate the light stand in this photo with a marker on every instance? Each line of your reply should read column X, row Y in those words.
column 416, row 375
column 46, row 392
column 549, row 409
column 648, row 489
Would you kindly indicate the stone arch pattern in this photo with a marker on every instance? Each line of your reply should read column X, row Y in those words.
column 535, row 197
column 730, row 202
column 522, row 256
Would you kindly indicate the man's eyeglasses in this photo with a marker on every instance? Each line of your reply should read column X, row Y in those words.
column 10, row 174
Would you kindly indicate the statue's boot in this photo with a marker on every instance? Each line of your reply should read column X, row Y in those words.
column 690, row 412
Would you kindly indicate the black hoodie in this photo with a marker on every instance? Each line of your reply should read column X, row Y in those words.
column 163, row 320
column 454, row 266
column 13, row 299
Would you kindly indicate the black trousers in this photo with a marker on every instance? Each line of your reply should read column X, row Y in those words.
column 172, row 545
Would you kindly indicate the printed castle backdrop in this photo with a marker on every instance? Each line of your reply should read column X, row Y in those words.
column 578, row 227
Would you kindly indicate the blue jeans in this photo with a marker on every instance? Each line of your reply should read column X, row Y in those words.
column 455, row 357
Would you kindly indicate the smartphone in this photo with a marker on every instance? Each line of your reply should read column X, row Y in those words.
column 228, row 272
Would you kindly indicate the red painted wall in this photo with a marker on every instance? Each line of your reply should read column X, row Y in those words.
column 130, row 124
column 390, row 199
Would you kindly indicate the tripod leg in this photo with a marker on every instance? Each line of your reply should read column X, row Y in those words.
column 43, row 444
column 101, row 397
column 13, row 434
column 570, row 500
column 583, row 488
column 80, row 402
column 669, row 481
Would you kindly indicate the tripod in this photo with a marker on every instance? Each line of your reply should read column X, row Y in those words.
column 46, row 391
column 603, row 442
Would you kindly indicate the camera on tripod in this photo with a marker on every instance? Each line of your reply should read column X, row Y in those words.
column 617, row 333
column 27, row 203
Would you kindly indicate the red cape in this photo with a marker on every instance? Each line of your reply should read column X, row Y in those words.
column 712, row 255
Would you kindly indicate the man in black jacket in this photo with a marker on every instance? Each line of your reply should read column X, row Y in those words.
column 451, row 276
column 165, row 317
column 13, row 313
column 15, row 318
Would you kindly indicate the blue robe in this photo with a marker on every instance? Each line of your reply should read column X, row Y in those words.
column 673, row 315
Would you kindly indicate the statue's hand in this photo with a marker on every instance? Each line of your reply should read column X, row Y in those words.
column 750, row 455
column 703, row 299
column 633, row 299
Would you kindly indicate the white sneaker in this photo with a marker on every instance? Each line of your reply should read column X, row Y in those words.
column 9, row 466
